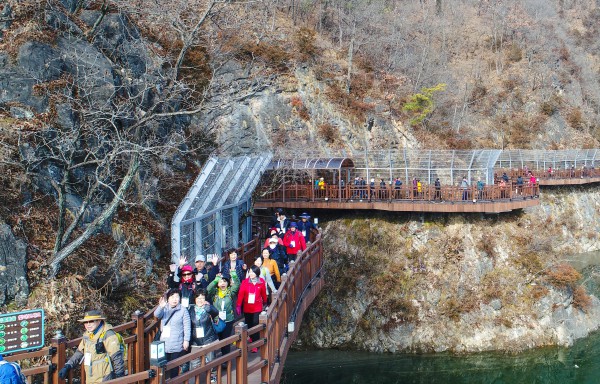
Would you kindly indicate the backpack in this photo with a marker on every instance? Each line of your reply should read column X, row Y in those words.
column 22, row 378
column 122, row 344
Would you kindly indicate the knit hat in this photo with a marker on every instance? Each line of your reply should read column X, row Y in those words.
column 200, row 258
column 293, row 225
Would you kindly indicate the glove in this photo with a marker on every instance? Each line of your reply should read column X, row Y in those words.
column 238, row 310
column 64, row 371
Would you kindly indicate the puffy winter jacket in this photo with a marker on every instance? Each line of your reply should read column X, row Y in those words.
column 202, row 317
column 295, row 238
column 224, row 300
column 252, row 295
column 8, row 373
column 180, row 326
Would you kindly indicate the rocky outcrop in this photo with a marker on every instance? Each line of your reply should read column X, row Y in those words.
column 13, row 281
column 457, row 283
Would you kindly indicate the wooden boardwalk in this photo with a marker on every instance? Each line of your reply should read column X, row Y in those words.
column 490, row 199
column 277, row 329
column 408, row 206
column 496, row 198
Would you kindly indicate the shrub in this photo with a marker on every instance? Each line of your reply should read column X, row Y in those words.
column 530, row 261
column 575, row 119
column 486, row 244
column 270, row 53
column 548, row 108
column 453, row 307
column 581, row 299
column 329, row 132
column 478, row 92
column 300, row 108
column 563, row 53
column 538, row 291
column 305, row 42
column 514, row 53
column 511, row 83
column 563, row 276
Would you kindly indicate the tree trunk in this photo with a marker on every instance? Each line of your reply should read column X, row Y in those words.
column 93, row 227
column 350, row 54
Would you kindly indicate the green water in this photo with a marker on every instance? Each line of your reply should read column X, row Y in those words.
column 578, row 364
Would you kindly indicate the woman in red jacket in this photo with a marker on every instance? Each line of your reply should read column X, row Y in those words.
column 294, row 242
column 253, row 293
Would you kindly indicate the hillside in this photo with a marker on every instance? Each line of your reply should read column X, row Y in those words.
column 108, row 109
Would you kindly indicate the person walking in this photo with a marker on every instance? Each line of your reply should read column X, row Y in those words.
column 294, row 242
column 464, row 186
column 99, row 350
column 234, row 267
column 10, row 373
column 183, row 279
column 253, row 295
column 304, row 226
column 272, row 266
column 266, row 276
column 223, row 290
column 175, row 327
column 202, row 315
column 480, row 187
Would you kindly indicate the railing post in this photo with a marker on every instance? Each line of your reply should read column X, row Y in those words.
column 265, row 353
column 159, row 378
column 241, row 370
column 140, row 343
column 60, row 357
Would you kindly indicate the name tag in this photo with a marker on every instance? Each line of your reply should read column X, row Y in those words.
column 199, row 332
column 292, row 243
column 185, row 302
column 251, row 298
column 304, row 233
column 222, row 315
column 87, row 359
column 166, row 332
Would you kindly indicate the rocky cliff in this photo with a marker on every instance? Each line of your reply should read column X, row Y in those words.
column 398, row 282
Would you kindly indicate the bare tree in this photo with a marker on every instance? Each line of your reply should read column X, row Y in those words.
column 131, row 103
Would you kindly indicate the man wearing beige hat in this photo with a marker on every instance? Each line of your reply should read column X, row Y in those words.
column 99, row 350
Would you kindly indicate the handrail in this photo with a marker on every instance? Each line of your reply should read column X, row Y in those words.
column 389, row 193
column 297, row 290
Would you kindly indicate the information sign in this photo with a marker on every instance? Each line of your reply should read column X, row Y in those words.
column 21, row 331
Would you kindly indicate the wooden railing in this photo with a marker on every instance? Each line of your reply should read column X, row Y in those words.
column 298, row 289
column 357, row 193
column 579, row 173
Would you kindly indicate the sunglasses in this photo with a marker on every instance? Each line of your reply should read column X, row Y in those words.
column 88, row 322
column 186, row 274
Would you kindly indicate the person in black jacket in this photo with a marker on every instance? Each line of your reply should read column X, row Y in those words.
column 183, row 279
column 278, row 253
column 305, row 225
column 202, row 315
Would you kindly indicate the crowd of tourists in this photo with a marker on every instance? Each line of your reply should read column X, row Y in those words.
column 204, row 299
column 360, row 189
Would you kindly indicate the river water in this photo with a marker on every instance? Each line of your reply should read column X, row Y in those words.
column 577, row 364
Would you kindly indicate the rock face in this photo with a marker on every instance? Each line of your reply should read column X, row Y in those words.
column 13, row 282
column 455, row 283
column 288, row 116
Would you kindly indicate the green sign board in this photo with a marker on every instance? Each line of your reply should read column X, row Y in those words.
column 21, row 331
